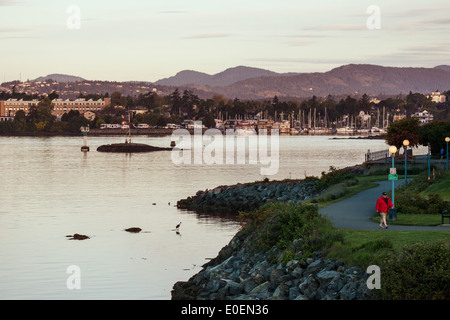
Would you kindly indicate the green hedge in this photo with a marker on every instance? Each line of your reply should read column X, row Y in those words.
column 419, row 272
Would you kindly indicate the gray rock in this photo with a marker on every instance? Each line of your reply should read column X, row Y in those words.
column 281, row 292
column 308, row 287
column 276, row 276
column 349, row 291
column 248, row 285
column 324, row 276
column 215, row 285
column 262, row 291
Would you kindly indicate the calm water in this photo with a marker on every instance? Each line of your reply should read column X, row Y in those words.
column 50, row 189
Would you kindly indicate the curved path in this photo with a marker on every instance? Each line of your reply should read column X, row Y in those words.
column 355, row 212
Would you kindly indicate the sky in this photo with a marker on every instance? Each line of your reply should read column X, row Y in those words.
column 147, row 40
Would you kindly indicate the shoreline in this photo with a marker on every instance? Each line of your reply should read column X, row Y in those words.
column 240, row 273
column 160, row 132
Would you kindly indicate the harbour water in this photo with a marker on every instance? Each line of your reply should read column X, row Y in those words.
column 50, row 189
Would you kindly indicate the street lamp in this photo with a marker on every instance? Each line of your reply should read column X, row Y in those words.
column 405, row 145
column 447, row 139
column 429, row 160
column 393, row 151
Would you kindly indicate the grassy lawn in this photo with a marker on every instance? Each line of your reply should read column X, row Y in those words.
column 363, row 248
column 414, row 219
column 348, row 192
column 442, row 188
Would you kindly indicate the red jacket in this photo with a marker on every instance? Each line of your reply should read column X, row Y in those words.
column 382, row 206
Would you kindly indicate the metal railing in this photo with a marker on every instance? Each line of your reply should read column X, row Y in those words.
column 377, row 155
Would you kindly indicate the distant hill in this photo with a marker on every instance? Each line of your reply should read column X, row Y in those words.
column 224, row 78
column 253, row 83
column 443, row 67
column 344, row 80
column 60, row 78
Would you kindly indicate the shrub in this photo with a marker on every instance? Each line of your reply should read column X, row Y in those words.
column 334, row 176
column 278, row 224
column 409, row 201
column 419, row 272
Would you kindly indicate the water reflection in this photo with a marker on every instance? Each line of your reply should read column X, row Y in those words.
column 51, row 189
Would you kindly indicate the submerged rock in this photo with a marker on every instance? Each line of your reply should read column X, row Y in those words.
column 134, row 230
column 77, row 236
column 130, row 148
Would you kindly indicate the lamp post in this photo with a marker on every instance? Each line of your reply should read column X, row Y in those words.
column 447, row 139
column 393, row 151
column 429, row 160
column 405, row 146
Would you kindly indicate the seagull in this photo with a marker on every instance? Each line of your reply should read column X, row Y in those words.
column 178, row 225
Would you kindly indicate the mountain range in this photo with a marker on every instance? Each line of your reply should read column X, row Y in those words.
column 224, row 78
column 253, row 83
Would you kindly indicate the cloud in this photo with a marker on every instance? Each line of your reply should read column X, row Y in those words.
column 299, row 43
column 173, row 12
column 4, row 3
column 209, row 36
column 339, row 27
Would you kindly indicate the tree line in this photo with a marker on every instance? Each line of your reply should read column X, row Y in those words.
column 178, row 106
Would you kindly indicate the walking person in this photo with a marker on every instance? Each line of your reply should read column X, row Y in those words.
column 382, row 207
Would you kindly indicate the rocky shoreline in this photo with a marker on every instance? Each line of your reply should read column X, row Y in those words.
column 235, row 274
column 248, row 197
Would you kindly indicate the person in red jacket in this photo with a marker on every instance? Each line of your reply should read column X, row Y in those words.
column 382, row 207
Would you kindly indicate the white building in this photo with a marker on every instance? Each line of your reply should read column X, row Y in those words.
column 424, row 116
column 437, row 97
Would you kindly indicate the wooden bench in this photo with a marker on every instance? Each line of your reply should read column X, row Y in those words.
column 445, row 214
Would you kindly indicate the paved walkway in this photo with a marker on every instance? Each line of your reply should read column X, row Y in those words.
column 355, row 212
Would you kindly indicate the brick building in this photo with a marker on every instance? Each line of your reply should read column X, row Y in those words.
column 8, row 108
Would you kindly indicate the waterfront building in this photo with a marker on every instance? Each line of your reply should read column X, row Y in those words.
column 8, row 108
column 81, row 105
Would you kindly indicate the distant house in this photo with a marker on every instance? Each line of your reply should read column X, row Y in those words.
column 138, row 110
column 437, row 97
column 424, row 116
column 398, row 117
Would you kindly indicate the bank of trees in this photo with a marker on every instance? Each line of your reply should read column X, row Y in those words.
column 433, row 133
column 180, row 105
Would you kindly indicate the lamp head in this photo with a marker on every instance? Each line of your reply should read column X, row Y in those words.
column 447, row 139
column 393, row 149
column 406, row 143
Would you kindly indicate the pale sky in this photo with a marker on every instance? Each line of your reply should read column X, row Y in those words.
column 152, row 39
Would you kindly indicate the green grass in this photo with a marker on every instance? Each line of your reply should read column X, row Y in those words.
column 414, row 219
column 383, row 177
column 341, row 192
column 442, row 188
column 363, row 248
